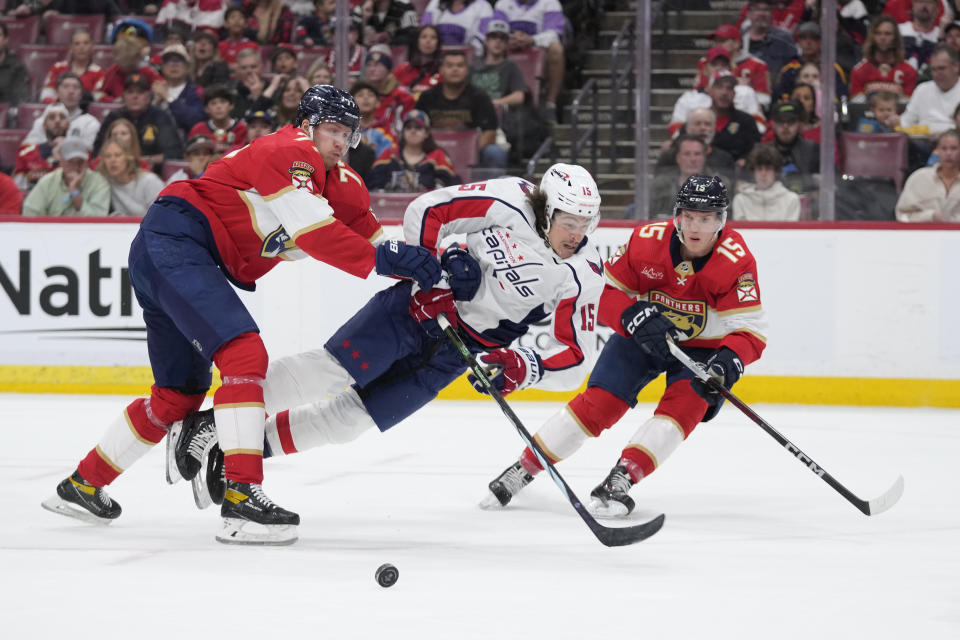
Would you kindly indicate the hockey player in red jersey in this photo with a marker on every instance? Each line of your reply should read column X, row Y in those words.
column 256, row 207
column 691, row 279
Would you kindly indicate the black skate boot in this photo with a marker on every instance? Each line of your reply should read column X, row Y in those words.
column 79, row 499
column 505, row 486
column 186, row 443
column 250, row 517
column 610, row 499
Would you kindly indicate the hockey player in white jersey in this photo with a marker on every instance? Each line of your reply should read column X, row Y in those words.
column 527, row 259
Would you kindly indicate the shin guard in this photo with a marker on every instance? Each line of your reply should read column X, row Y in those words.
column 238, row 407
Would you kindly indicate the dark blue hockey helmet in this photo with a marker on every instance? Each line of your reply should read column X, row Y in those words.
column 326, row 103
column 702, row 193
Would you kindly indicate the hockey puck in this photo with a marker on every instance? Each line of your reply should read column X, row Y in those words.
column 387, row 575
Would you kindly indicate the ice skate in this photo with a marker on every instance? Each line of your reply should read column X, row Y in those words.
column 250, row 517
column 505, row 486
column 210, row 485
column 187, row 441
column 76, row 498
column 610, row 499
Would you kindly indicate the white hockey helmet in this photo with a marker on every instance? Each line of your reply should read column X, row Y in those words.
column 571, row 188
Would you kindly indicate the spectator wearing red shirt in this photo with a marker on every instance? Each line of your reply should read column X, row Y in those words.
column 129, row 60
column 79, row 61
column 37, row 160
column 395, row 100
column 271, row 21
column 225, row 131
column 883, row 67
column 233, row 36
column 11, row 200
column 422, row 69
column 749, row 70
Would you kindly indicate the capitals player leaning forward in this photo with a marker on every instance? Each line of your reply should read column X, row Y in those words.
column 250, row 211
column 527, row 259
column 692, row 279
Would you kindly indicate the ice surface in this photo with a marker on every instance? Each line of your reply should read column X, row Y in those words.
column 754, row 545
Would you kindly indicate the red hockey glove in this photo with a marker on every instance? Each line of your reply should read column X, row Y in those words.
column 425, row 306
column 519, row 368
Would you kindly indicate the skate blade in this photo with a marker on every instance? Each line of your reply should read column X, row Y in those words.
column 56, row 504
column 201, row 494
column 239, row 531
column 490, row 503
column 173, row 436
column 610, row 511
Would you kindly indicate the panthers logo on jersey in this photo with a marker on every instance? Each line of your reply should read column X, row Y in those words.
column 275, row 243
column 690, row 316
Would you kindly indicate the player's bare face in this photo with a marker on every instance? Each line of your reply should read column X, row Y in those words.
column 332, row 140
column 699, row 232
column 567, row 232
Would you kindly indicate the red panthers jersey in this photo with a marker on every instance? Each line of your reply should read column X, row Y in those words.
column 713, row 300
column 264, row 204
column 867, row 78
column 752, row 68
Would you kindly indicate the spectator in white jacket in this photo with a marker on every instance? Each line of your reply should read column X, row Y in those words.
column 765, row 198
column 82, row 125
column 932, row 194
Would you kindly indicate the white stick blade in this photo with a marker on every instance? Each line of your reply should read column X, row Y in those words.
column 888, row 499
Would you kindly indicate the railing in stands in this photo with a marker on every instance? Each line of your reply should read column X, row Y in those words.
column 587, row 94
column 622, row 79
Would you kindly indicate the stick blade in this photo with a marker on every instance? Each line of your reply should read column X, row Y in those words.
column 623, row 536
column 887, row 500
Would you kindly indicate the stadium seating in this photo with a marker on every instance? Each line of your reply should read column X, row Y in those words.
column 531, row 62
column 390, row 206
column 10, row 140
column 60, row 28
column 308, row 55
column 103, row 55
column 38, row 59
column 21, row 31
column 99, row 110
column 875, row 155
column 170, row 167
column 4, row 108
column 28, row 112
column 461, row 146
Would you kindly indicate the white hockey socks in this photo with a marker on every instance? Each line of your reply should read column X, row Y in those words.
column 560, row 436
column 302, row 379
column 658, row 437
column 337, row 420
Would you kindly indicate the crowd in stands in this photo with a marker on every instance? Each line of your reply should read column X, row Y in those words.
column 154, row 91
column 104, row 102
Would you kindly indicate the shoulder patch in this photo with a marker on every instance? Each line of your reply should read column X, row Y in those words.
column 747, row 288
column 301, row 164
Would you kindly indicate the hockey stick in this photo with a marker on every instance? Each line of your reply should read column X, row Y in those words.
column 610, row 536
column 868, row 507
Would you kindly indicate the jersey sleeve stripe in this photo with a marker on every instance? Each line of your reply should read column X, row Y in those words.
column 440, row 214
column 566, row 333
column 619, row 285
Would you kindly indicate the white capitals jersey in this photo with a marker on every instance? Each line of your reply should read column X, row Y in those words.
column 524, row 281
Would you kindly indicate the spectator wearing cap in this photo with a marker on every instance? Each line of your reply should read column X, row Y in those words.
column 221, row 127
column 800, row 157
column 283, row 60
column 422, row 69
column 749, row 70
column 742, row 98
column 737, row 130
column 271, row 21
column 772, row 45
column 316, row 29
column 765, row 198
column 690, row 159
column 40, row 157
column 128, row 60
column 461, row 23
column 199, row 154
column 808, row 41
column 394, row 21
column 355, row 50
column 156, row 129
column 883, row 67
column 457, row 104
column 69, row 93
column 184, row 16
column 14, row 79
column 259, row 123
column 70, row 190
column 132, row 190
column 175, row 91
column 418, row 164
column 79, row 62
column 375, row 132
column 498, row 76
column 11, row 199
column 234, row 36
column 701, row 123
column 541, row 24
column 395, row 100
column 208, row 68
column 920, row 34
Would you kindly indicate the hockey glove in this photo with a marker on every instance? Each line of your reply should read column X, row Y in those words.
column 395, row 258
column 463, row 272
column 725, row 367
column 518, row 369
column 425, row 306
column 649, row 329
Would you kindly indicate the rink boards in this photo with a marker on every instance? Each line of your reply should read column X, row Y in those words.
column 858, row 314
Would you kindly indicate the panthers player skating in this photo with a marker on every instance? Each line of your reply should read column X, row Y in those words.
column 692, row 279
column 528, row 259
column 249, row 211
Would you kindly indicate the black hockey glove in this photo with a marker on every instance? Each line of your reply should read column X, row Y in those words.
column 463, row 272
column 725, row 367
column 395, row 258
column 649, row 329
